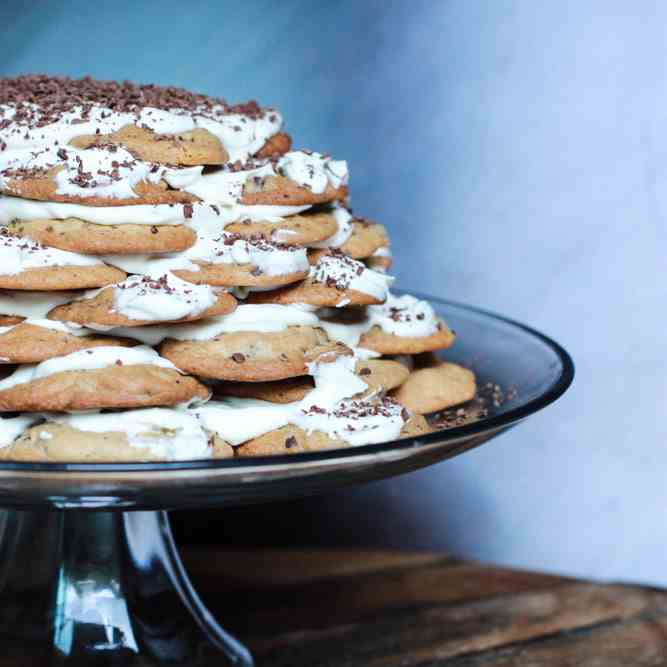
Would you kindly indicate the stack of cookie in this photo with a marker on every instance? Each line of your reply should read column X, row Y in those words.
column 176, row 282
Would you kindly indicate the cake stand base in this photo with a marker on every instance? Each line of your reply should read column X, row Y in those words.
column 102, row 588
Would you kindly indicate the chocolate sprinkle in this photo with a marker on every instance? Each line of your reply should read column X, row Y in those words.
column 290, row 442
column 41, row 99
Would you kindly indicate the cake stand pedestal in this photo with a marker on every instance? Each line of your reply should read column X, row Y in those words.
column 102, row 588
column 90, row 575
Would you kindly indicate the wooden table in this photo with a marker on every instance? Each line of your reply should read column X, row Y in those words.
column 385, row 609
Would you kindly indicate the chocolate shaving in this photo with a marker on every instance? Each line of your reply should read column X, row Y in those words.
column 336, row 270
column 40, row 100
column 290, row 442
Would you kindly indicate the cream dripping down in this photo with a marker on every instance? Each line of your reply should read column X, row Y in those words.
column 404, row 316
column 173, row 435
column 329, row 408
column 343, row 273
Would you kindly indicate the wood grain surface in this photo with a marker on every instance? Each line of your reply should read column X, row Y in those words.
column 388, row 609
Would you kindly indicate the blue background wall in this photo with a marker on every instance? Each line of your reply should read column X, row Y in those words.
column 517, row 152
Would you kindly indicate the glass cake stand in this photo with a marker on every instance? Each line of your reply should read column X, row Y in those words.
column 90, row 574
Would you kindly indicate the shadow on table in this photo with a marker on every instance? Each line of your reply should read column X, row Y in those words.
column 433, row 509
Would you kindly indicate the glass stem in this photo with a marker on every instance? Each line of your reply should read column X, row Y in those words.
column 103, row 588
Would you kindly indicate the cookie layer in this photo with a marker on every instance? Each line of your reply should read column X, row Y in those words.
column 366, row 238
column 281, row 191
column 388, row 343
column 56, row 443
column 294, row 440
column 192, row 148
column 195, row 147
column 436, row 387
column 99, row 377
column 62, row 278
column 232, row 275
column 91, row 239
column 275, row 146
column 401, row 325
column 297, row 230
column 10, row 320
column 381, row 260
column 114, row 387
column 282, row 392
column 45, row 188
column 334, row 280
column 249, row 356
column 33, row 341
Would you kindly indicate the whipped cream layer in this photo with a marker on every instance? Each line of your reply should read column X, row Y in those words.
column 31, row 304
column 261, row 318
column 224, row 186
column 86, row 360
column 237, row 420
column 403, row 316
column 12, row 427
column 313, row 170
column 159, row 297
column 70, row 328
column 220, row 247
column 344, row 221
column 362, row 422
column 19, row 254
column 173, row 435
column 198, row 214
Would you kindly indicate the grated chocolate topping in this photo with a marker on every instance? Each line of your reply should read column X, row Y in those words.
column 257, row 241
column 40, row 99
column 356, row 410
column 337, row 270
column 146, row 284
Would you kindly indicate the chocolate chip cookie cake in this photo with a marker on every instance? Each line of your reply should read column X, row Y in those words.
column 178, row 281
